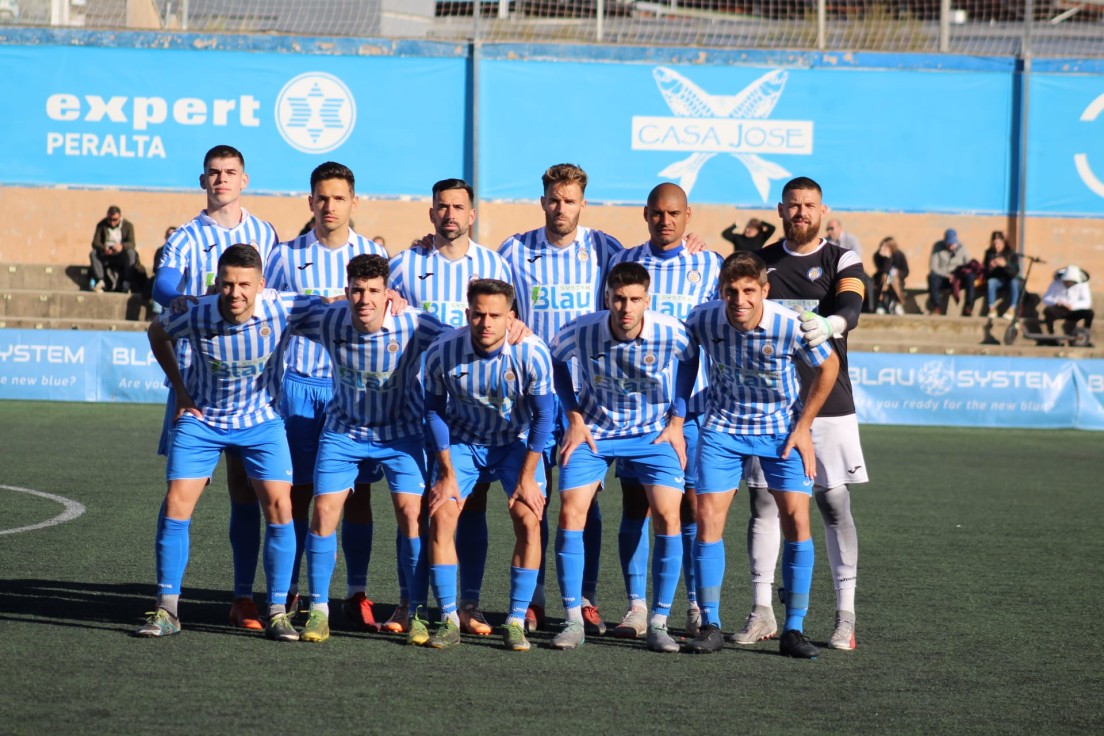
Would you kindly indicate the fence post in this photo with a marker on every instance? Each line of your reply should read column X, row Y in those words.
column 944, row 26
column 822, row 25
column 599, row 25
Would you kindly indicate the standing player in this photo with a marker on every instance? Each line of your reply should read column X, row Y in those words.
column 623, row 406
column 557, row 272
column 435, row 277
column 753, row 409
column 375, row 415
column 489, row 415
column 680, row 280
column 314, row 263
column 824, row 283
column 189, row 264
column 237, row 339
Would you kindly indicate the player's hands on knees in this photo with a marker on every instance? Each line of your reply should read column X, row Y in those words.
column 577, row 434
column 517, row 331
column 801, row 439
column 528, row 493
column 672, row 435
column 182, row 303
column 443, row 491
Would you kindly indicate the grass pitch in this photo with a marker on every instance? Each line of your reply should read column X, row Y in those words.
column 978, row 586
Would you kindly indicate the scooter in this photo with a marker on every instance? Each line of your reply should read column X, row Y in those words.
column 1080, row 337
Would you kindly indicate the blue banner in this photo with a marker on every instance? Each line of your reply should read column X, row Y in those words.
column 891, row 140
column 143, row 118
column 57, row 365
column 1065, row 165
column 975, row 391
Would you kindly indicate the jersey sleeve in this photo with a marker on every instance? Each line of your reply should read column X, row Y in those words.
column 813, row 356
column 540, row 369
column 310, row 325
column 397, row 276
column 563, row 345
column 179, row 326
column 299, row 307
column 275, row 270
column 176, row 252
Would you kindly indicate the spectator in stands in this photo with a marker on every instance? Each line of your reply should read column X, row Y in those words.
column 847, row 241
column 949, row 270
column 113, row 254
column 1002, row 271
column 890, row 271
column 379, row 240
column 1068, row 299
column 754, row 236
column 154, row 307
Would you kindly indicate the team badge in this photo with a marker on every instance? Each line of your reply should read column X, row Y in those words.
column 693, row 277
column 393, row 346
column 649, row 359
column 768, row 350
column 509, row 376
column 815, row 273
column 583, row 256
column 265, row 331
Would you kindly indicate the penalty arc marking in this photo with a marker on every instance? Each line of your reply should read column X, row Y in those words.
column 73, row 509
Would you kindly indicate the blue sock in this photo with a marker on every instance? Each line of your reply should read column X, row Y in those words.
column 321, row 560
column 690, row 575
column 797, row 578
column 356, row 543
column 569, row 566
column 544, row 548
column 400, row 567
column 279, row 554
column 523, row 581
column 709, row 559
column 632, row 543
column 666, row 564
column 245, row 545
column 444, row 587
column 592, row 542
column 172, row 553
column 471, row 549
column 417, row 582
column 302, row 526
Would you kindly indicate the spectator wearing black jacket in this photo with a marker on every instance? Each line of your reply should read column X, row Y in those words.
column 755, row 235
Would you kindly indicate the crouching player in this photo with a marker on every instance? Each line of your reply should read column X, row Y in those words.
column 625, row 407
column 754, row 409
column 375, row 415
column 238, row 337
column 489, row 412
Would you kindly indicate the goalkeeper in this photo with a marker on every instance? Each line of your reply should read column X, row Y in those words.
column 824, row 284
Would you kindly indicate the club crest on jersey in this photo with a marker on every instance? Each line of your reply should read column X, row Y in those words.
column 814, row 273
column 693, row 277
column 393, row 346
column 265, row 331
column 509, row 376
column 768, row 349
column 583, row 255
column 649, row 359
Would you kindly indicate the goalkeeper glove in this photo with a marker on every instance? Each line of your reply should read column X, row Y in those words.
column 816, row 329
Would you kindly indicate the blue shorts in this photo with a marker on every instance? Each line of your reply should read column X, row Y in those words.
column 194, row 450
column 303, row 402
column 339, row 459
column 690, row 430
column 488, row 463
column 652, row 465
column 721, row 459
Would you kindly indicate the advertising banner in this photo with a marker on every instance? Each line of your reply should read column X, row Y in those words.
column 143, row 118
column 893, row 140
column 1065, row 164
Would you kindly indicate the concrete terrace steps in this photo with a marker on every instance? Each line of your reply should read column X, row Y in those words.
column 66, row 323
column 948, row 335
column 81, row 305
column 42, row 277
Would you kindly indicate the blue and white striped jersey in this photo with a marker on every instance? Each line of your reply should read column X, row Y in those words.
column 753, row 383
column 625, row 388
column 196, row 246
column 556, row 285
column 194, row 249
column 377, row 391
column 680, row 282
column 306, row 266
column 487, row 394
column 235, row 377
column 429, row 280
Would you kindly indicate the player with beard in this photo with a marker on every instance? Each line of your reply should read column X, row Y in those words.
column 823, row 283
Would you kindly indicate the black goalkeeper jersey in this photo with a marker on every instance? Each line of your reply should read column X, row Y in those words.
column 826, row 281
